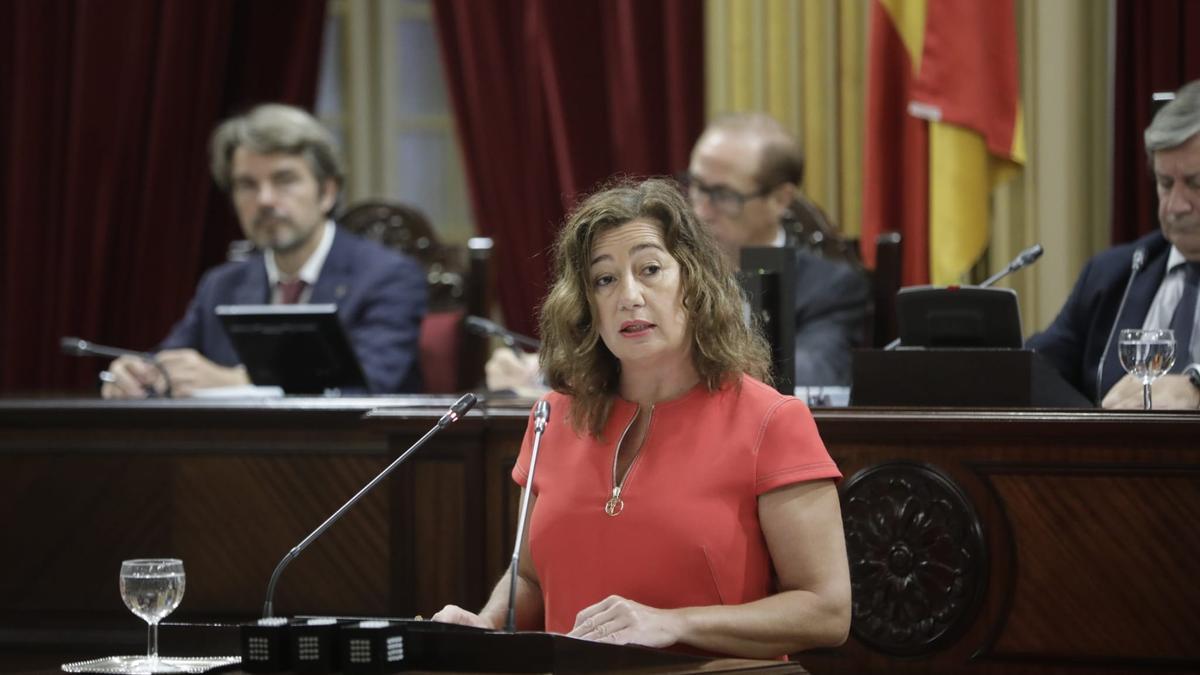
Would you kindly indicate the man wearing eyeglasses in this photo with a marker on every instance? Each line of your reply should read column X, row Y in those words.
column 744, row 175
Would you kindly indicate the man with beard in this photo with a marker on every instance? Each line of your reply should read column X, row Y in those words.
column 1163, row 292
column 283, row 174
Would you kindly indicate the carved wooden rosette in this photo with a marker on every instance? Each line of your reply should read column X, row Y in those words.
column 918, row 567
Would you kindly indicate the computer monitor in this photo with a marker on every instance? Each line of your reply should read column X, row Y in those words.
column 958, row 316
column 299, row 348
column 768, row 278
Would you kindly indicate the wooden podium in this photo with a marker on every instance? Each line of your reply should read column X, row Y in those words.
column 978, row 378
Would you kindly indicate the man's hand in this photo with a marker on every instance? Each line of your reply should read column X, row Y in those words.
column 131, row 377
column 190, row 371
column 518, row 371
column 1169, row 392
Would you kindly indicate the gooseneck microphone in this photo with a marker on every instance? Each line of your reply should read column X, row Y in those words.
column 1139, row 259
column 482, row 326
column 541, row 414
column 456, row 412
column 75, row 346
column 1024, row 258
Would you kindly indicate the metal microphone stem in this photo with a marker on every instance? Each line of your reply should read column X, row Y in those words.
column 542, row 414
column 454, row 415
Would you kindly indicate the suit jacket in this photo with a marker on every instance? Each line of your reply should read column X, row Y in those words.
column 380, row 296
column 1076, row 338
column 832, row 302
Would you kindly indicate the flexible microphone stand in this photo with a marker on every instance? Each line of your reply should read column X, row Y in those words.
column 75, row 346
column 540, row 416
column 1139, row 259
column 456, row 412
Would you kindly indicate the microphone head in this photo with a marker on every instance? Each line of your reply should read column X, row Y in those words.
column 463, row 404
column 479, row 325
column 73, row 345
column 542, row 409
column 1031, row 254
column 1139, row 259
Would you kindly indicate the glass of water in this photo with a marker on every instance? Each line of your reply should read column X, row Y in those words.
column 1147, row 354
column 151, row 589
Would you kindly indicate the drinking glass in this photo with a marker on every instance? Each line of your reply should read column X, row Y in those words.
column 151, row 589
column 1146, row 354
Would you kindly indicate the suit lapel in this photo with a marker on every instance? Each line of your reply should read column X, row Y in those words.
column 333, row 283
column 254, row 291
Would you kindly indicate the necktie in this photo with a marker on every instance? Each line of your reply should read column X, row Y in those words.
column 1184, row 321
column 289, row 291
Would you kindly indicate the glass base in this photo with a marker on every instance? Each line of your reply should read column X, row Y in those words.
column 141, row 665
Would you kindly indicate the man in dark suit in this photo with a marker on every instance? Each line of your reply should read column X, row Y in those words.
column 284, row 176
column 1163, row 292
column 744, row 175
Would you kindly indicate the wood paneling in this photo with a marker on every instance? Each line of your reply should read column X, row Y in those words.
column 1087, row 518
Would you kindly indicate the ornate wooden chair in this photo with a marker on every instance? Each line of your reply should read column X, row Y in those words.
column 451, row 359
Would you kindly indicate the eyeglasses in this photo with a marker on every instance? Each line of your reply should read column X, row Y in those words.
column 726, row 200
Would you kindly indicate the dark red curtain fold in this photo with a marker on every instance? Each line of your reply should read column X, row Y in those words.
column 1156, row 50
column 107, row 212
column 552, row 98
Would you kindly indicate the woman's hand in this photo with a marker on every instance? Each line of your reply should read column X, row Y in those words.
column 458, row 615
column 623, row 621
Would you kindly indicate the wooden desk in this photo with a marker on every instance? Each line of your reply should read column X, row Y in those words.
column 1085, row 523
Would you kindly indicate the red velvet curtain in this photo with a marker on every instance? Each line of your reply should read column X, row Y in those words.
column 107, row 212
column 1157, row 51
column 552, row 98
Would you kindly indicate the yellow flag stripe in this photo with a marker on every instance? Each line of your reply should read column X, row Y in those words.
column 958, row 201
column 909, row 18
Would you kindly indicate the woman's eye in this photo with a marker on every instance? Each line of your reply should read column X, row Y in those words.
column 652, row 268
column 604, row 280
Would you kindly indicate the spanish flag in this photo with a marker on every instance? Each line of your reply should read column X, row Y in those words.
column 967, row 89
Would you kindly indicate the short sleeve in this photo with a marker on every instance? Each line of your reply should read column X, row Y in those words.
column 789, row 449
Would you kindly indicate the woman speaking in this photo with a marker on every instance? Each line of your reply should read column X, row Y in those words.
column 678, row 500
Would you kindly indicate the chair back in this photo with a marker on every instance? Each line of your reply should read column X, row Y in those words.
column 451, row 359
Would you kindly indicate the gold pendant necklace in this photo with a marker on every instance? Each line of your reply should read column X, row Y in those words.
column 615, row 505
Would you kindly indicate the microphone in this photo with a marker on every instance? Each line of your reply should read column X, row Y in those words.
column 1024, row 258
column 481, row 326
column 541, row 415
column 456, row 412
column 75, row 346
column 1139, row 259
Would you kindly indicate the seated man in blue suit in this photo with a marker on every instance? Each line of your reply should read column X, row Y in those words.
column 1162, row 293
column 283, row 174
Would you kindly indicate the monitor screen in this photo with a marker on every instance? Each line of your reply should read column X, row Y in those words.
column 300, row 348
column 958, row 316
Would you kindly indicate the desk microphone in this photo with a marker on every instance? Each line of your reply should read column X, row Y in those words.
column 541, row 415
column 74, row 346
column 1139, row 259
column 456, row 412
column 1023, row 259
column 481, row 326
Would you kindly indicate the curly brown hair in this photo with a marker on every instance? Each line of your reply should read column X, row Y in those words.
column 574, row 358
